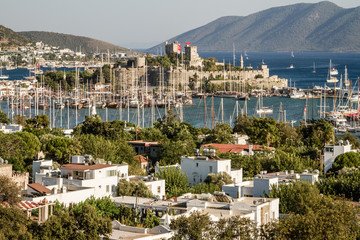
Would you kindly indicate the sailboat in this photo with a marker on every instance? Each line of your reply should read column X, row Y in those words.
column 330, row 78
column 260, row 109
column 314, row 70
column 292, row 53
column 3, row 76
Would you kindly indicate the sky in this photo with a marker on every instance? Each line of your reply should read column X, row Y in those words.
column 130, row 23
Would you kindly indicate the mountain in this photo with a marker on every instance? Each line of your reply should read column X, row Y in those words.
column 88, row 45
column 9, row 38
column 322, row 26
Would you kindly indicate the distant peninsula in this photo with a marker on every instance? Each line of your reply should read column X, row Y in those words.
column 88, row 45
column 323, row 27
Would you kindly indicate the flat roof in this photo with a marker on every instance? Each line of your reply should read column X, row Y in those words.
column 82, row 167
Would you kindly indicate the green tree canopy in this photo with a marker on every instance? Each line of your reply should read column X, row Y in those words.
column 349, row 159
column 139, row 189
column 9, row 190
column 176, row 182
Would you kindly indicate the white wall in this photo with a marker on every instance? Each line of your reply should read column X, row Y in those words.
column 155, row 186
column 66, row 198
column 331, row 152
column 197, row 169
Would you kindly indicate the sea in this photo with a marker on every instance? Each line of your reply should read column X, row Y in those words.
column 300, row 76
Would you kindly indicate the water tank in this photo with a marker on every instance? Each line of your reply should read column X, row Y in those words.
column 63, row 189
column 212, row 152
column 316, row 171
column 206, row 152
column 286, row 172
column 109, row 162
column 292, row 172
column 306, row 171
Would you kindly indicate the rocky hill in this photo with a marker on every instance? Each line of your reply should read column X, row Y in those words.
column 88, row 45
column 322, row 26
column 9, row 38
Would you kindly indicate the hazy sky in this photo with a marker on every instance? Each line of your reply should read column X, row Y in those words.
column 130, row 23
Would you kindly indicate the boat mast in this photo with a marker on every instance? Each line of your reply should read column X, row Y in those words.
column 222, row 110
column 212, row 112
column 205, row 109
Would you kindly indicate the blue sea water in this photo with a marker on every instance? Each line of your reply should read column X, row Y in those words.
column 278, row 64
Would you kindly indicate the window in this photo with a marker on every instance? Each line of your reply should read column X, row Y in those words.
column 210, row 169
column 111, row 173
column 266, row 218
column 197, row 164
column 107, row 188
column 159, row 189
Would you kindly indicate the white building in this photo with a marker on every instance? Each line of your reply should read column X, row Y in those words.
column 10, row 128
column 260, row 210
column 77, row 181
column 199, row 167
column 332, row 151
column 264, row 182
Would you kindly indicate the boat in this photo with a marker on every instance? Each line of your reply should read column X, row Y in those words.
column 291, row 66
column 331, row 73
column 314, row 70
column 243, row 97
column 264, row 110
column 292, row 53
column 2, row 77
column 297, row 94
column 261, row 109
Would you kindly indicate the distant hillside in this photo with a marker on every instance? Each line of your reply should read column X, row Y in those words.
column 322, row 26
column 72, row 42
column 10, row 38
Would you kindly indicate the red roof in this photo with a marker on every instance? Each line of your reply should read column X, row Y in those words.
column 81, row 167
column 141, row 158
column 39, row 188
column 235, row 148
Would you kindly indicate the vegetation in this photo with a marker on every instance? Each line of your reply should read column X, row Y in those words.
column 88, row 45
column 345, row 184
column 176, row 182
column 349, row 160
column 136, row 189
column 9, row 190
column 9, row 38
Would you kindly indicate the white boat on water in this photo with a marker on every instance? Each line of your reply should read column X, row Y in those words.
column 332, row 72
column 354, row 98
column 3, row 77
column 291, row 66
column 264, row 110
column 297, row 94
column 261, row 109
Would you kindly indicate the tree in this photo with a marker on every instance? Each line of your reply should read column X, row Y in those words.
column 317, row 134
column 176, row 182
column 220, row 179
column 4, row 118
column 222, row 133
column 196, row 227
column 297, row 197
column 131, row 188
column 62, row 148
column 38, row 122
column 329, row 220
column 9, row 190
column 353, row 140
column 75, row 223
column 236, row 228
column 21, row 120
column 151, row 220
column 349, row 159
column 14, row 224
column 32, row 144
column 345, row 184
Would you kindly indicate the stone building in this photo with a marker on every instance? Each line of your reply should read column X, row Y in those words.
column 171, row 48
column 20, row 178
column 191, row 53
